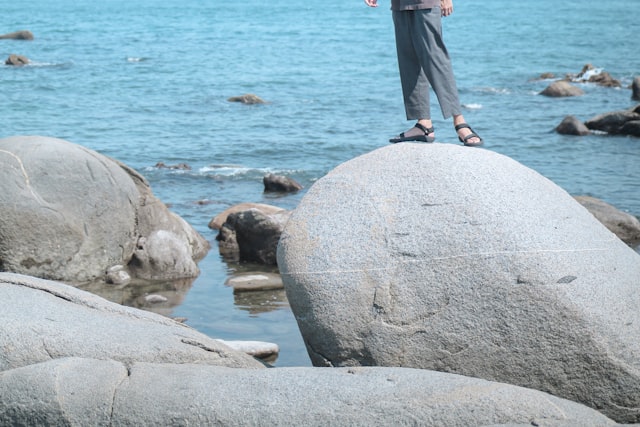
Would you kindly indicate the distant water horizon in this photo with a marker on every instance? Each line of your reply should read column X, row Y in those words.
column 147, row 81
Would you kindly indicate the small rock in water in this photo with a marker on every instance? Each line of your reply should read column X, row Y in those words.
column 155, row 298
column 255, row 282
column 16, row 60
column 248, row 99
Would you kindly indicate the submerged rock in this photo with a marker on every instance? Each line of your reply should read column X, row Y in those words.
column 249, row 99
column 489, row 271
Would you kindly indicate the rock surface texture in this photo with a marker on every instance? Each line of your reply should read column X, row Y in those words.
column 69, row 213
column 75, row 391
column 462, row 260
column 44, row 320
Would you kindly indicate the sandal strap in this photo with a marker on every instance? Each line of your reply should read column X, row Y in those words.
column 425, row 129
column 463, row 126
column 471, row 135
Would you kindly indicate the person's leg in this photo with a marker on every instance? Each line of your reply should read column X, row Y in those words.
column 415, row 86
column 434, row 59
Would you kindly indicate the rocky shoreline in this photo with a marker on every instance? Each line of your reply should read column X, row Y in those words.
column 56, row 334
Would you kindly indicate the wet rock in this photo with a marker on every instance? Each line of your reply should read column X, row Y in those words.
column 507, row 279
column 614, row 122
column 591, row 74
column 635, row 89
column 249, row 99
column 18, row 35
column 16, row 60
column 280, row 184
column 117, row 275
column 179, row 166
column 252, row 236
column 218, row 220
column 570, row 125
column 561, row 88
column 249, row 282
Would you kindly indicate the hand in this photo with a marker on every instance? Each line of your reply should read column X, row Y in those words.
column 372, row 3
column 446, row 6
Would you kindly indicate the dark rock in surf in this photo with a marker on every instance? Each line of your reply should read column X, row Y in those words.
column 616, row 122
column 280, row 184
column 572, row 126
column 635, row 89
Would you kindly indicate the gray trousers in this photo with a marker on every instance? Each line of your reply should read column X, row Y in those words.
column 424, row 62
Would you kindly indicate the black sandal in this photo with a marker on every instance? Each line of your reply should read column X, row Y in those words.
column 423, row 138
column 466, row 139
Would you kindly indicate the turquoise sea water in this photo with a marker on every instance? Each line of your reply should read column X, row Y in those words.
column 147, row 81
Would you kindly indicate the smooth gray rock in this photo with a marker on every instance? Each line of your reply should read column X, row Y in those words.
column 561, row 88
column 18, row 35
column 622, row 224
column 69, row 213
column 43, row 320
column 446, row 258
column 149, row 394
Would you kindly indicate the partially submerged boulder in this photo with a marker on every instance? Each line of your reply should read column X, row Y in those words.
column 622, row 224
column 16, row 60
column 70, row 213
column 18, row 35
column 280, row 184
column 635, row 89
column 252, row 236
column 622, row 122
column 247, row 98
column 446, row 258
column 44, row 320
column 75, row 391
column 561, row 88
column 570, row 125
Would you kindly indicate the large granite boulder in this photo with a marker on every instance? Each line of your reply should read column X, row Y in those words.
column 44, row 320
column 75, row 391
column 69, row 213
column 446, row 258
